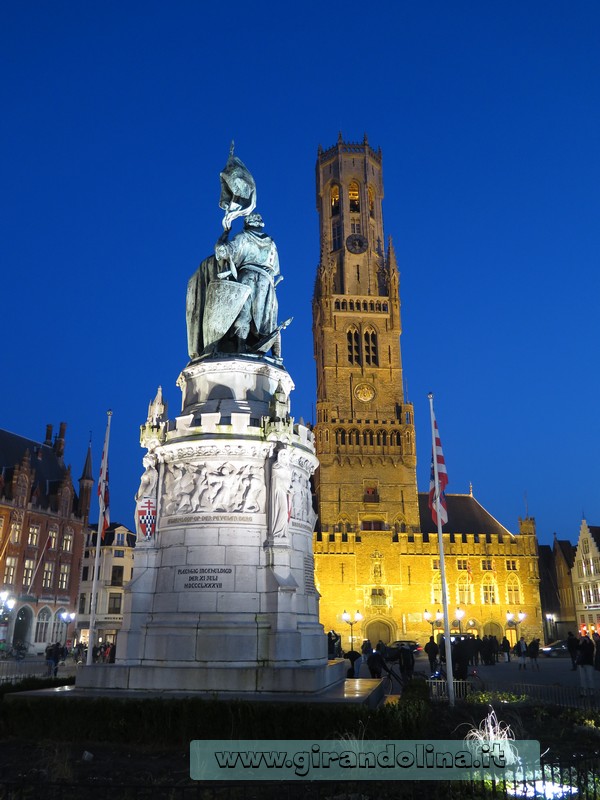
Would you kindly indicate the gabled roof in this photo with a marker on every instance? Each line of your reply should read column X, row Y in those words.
column 49, row 469
column 109, row 536
column 465, row 515
column 567, row 550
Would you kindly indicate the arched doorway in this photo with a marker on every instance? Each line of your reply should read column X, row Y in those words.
column 378, row 629
column 23, row 625
column 493, row 629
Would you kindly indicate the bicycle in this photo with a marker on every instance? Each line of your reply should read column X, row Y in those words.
column 462, row 686
column 393, row 679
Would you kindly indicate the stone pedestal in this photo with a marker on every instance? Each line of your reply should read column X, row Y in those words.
column 223, row 596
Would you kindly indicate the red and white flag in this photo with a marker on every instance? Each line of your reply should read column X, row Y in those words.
column 442, row 477
column 103, row 496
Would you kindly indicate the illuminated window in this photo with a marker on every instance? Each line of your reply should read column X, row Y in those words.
column 67, row 543
column 488, row 592
column 33, row 536
column 48, row 575
column 9, row 569
column 464, row 591
column 63, row 577
column 335, row 200
column 28, row 568
column 53, row 536
column 513, row 591
column 355, row 227
column 371, row 196
column 354, row 198
column 371, row 356
column 15, row 532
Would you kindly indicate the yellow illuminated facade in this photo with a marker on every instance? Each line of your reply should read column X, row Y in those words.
column 376, row 549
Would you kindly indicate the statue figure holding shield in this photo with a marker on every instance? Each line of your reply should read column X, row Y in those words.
column 231, row 301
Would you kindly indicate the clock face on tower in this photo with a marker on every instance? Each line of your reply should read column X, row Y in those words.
column 356, row 243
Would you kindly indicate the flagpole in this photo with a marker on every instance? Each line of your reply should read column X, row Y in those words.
column 447, row 642
column 101, row 491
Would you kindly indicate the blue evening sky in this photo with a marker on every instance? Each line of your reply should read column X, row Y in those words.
column 116, row 118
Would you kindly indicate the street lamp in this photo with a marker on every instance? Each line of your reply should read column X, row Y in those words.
column 459, row 615
column 510, row 618
column 352, row 623
column 67, row 617
column 429, row 617
column 6, row 606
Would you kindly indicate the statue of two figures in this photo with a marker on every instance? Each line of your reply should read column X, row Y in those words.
column 231, row 304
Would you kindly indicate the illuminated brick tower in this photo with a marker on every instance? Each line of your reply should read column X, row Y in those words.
column 375, row 546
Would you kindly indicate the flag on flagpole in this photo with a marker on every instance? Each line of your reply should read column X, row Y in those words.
column 103, row 496
column 442, row 480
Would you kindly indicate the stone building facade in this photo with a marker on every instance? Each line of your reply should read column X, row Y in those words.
column 586, row 580
column 115, row 571
column 376, row 549
column 42, row 528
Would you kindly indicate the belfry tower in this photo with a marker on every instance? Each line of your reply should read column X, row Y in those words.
column 365, row 433
column 366, row 484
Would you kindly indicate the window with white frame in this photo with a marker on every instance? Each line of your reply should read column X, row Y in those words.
column 489, row 595
column 63, row 577
column 513, row 591
column 48, row 575
column 52, row 537
column 33, row 537
column 67, row 542
column 28, row 567
column 10, row 567
column 42, row 625
column 15, row 532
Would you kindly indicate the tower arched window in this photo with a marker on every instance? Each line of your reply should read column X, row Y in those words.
column 513, row 591
column 371, row 195
column 371, row 355
column 353, row 340
column 353, row 197
column 335, row 200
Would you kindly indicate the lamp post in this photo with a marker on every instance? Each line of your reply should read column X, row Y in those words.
column 67, row 617
column 352, row 622
column 459, row 615
column 6, row 606
column 510, row 619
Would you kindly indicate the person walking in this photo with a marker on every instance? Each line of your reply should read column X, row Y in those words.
column 572, row 647
column 506, row 649
column 432, row 651
column 533, row 650
column 521, row 652
column 585, row 665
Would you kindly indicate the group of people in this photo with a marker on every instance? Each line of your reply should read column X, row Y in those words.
column 585, row 657
column 371, row 662
column 55, row 653
column 527, row 652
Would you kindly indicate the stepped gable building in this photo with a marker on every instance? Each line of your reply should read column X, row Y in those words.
column 42, row 525
column 115, row 571
column 375, row 548
column 586, row 580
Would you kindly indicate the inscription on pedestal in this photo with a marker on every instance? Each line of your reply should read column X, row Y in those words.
column 204, row 578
